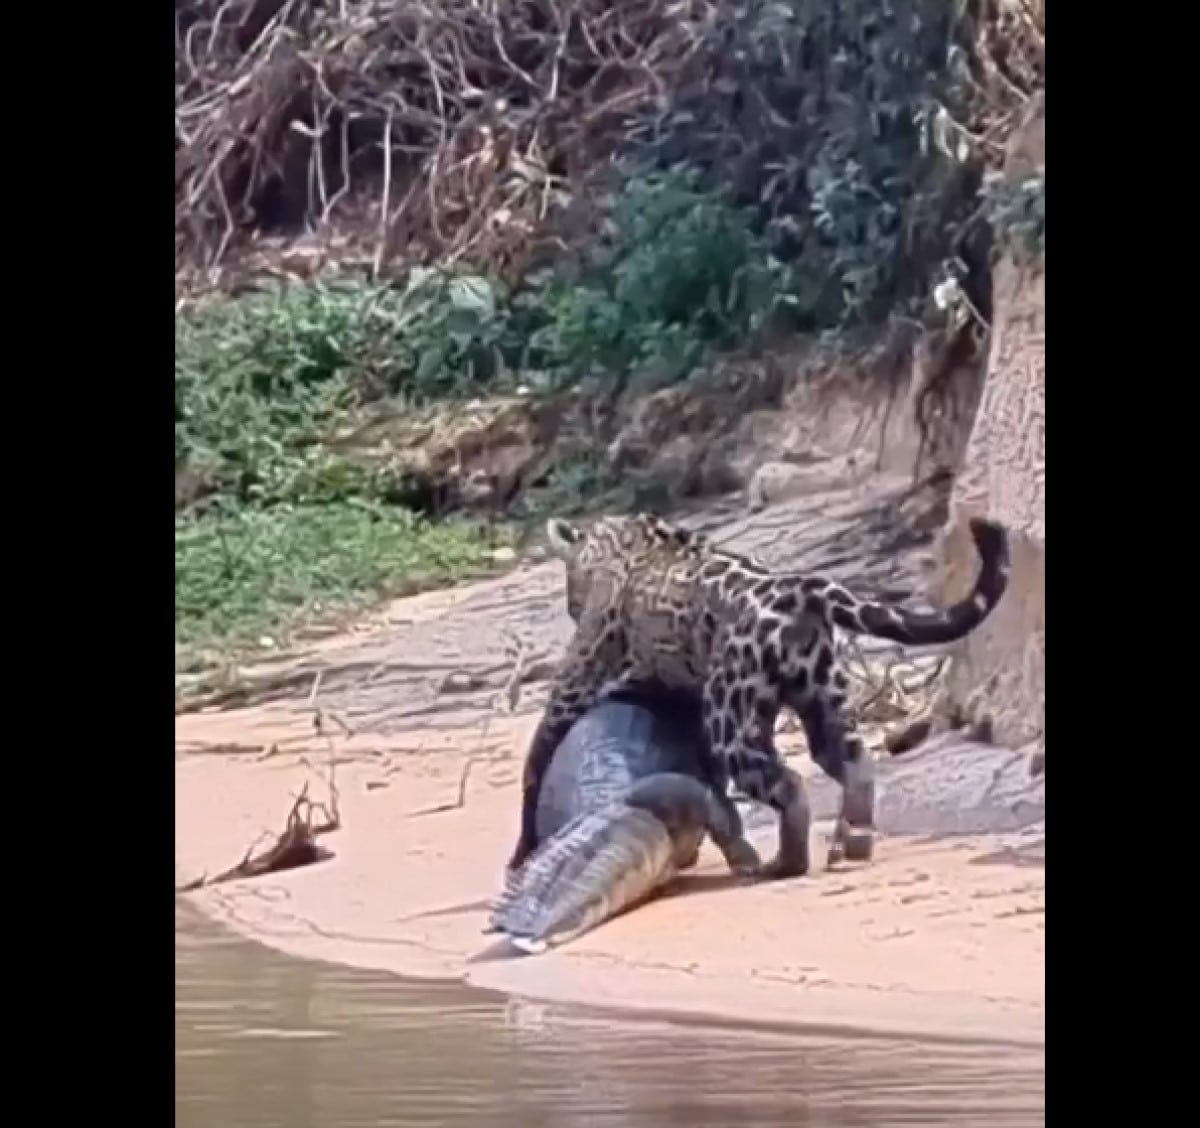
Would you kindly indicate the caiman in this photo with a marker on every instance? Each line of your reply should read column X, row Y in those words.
column 624, row 808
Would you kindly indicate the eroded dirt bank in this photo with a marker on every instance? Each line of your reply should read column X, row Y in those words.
column 942, row 934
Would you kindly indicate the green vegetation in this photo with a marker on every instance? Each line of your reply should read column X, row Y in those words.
column 741, row 173
column 680, row 272
column 276, row 528
column 244, row 580
column 287, row 525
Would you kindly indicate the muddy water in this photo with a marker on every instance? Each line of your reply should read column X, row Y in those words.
column 262, row 1039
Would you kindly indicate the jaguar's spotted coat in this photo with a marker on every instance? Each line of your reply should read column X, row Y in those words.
column 653, row 601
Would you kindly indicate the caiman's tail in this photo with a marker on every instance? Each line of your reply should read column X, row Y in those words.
column 927, row 628
column 600, row 864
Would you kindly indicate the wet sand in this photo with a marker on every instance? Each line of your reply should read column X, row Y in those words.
column 938, row 936
column 266, row 1039
column 943, row 934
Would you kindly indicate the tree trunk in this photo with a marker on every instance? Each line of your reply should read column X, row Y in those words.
column 1000, row 670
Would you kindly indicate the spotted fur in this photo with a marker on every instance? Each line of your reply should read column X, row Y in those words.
column 655, row 602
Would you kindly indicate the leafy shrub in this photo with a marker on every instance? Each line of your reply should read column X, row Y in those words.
column 858, row 133
column 680, row 271
column 262, row 380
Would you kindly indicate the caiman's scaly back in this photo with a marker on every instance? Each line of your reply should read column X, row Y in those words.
column 624, row 806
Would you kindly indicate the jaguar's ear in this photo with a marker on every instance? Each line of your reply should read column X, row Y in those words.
column 563, row 536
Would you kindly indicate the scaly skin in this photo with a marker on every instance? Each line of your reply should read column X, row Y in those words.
column 623, row 809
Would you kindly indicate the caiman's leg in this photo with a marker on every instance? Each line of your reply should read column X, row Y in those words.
column 726, row 829
column 688, row 809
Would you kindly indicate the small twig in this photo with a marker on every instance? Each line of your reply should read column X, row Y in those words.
column 296, row 845
column 460, row 799
column 385, row 200
column 506, row 700
column 319, row 727
column 510, row 693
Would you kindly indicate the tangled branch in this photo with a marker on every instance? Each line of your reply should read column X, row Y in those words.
column 446, row 130
column 396, row 132
column 297, row 844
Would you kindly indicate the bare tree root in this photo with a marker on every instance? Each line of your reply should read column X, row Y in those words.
column 297, row 845
column 893, row 697
column 900, row 703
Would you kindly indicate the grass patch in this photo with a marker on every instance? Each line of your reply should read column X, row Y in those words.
column 245, row 577
column 278, row 526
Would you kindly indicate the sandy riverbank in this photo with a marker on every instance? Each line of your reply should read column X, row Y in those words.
column 937, row 937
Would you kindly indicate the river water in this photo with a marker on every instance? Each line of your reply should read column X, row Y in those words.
column 262, row 1039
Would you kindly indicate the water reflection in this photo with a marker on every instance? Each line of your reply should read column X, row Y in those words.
column 266, row 1040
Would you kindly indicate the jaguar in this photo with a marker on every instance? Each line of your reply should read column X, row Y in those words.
column 654, row 602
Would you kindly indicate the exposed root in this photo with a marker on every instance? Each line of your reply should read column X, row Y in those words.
column 893, row 697
column 297, row 846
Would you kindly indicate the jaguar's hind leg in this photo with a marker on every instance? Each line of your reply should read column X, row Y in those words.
column 739, row 729
column 835, row 745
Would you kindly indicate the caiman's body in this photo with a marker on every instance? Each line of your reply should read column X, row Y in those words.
column 624, row 807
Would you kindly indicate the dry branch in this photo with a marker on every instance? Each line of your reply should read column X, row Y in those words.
column 466, row 130
column 296, row 846
column 891, row 695
column 506, row 701
column 448, row 130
